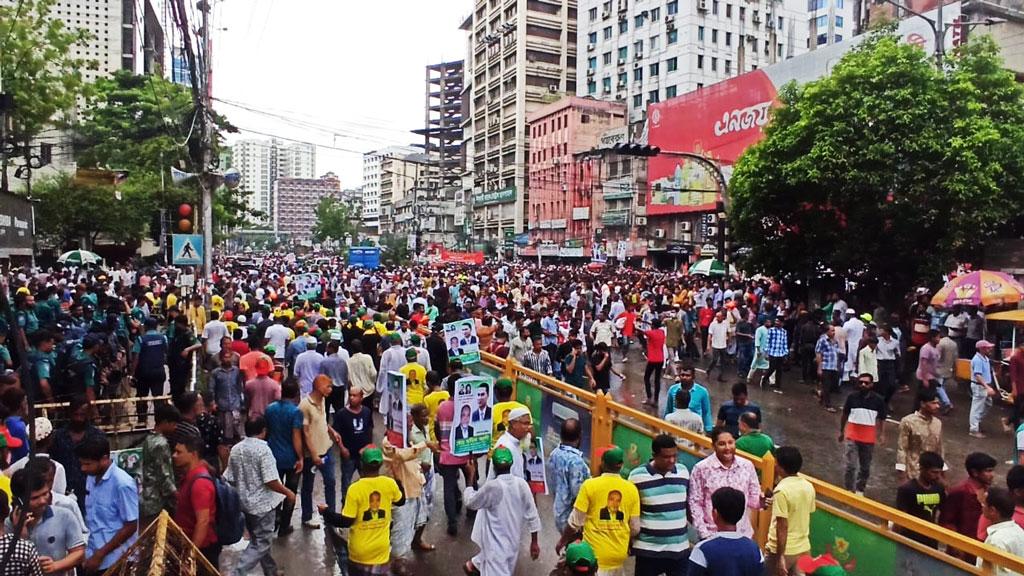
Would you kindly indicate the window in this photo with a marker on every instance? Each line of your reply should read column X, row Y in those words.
column 654, row 69
column 652, row 96
column 700, row 33
column 821, row 23
column 670, row 92
column 672, row 64
column 591, row 87
column 638, row 100
column 608, row 33
column 623, row 26
column 623, row 53
column 606, row 85
column 653, row 43
column 592, row 38
column 672, row 7
column 778, row 49
column 638, row 21
column 714, row 64
column 700, row 61
column 714, row 7
column 608, row 6
column 822, row 39
column 839, row 3
column 593, row 13
column 638, row 47
column 592, row 63
column 813, row 5
column 728, row 66
column 728, row 10
column 673, row 36
column 655, row 14
column 623, row 78
column 839, row 21
column 757, row 17
column 728, row 38
column 743, row 13
column 838, row 37
column 700, row 85
column 638, row 74
column 606, row 58
column 714, row 36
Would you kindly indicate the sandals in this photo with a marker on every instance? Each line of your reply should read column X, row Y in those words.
column 469, row 569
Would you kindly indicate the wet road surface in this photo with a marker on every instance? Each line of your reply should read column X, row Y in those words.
column 792, row 418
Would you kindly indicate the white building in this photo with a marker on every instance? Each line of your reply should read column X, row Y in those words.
column 372, row 173
column 521, row 56
column 830, row 21
column 645, row 51
column 262, row 162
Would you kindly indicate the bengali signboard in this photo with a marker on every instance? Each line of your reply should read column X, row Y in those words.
column 15, row 226
column 502, row 196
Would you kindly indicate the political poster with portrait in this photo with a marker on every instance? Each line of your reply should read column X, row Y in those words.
column 471, row 430
column 130, row 460
column 534, row 459
column 461, row 341
column 395, row 418
column 307, row 286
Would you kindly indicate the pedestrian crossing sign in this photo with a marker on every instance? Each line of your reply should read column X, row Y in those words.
column 187, row 249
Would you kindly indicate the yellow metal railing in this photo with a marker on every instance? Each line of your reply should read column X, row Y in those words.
column 883, row 520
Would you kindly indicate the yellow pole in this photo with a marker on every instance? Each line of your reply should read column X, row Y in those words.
column 600, row 430
column 763, row 518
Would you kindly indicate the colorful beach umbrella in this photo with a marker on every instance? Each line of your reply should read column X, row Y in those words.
column 980, row 288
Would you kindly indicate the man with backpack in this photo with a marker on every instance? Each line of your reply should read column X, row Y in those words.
column 148, row 359
column 196, row 512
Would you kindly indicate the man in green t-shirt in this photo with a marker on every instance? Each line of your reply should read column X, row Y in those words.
column 752, row 440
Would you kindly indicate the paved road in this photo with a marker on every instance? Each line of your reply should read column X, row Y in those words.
column 791, row 418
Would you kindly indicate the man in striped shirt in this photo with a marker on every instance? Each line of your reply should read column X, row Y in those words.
column 662, row 543
column 861, row 428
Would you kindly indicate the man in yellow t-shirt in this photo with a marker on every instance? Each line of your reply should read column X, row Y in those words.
column 415, row 379
column 502, row 407
column 792, row 505
column 607, row 510
column 367, row 511
column 435, row 395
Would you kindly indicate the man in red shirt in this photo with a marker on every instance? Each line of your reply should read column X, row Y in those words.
column 196, row 512
column 655, row 360
column 962, row 508
column 1017, row 383
column 628, row 327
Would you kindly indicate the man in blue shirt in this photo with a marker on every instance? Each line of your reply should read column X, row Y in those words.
column 567, row 470
column 777, row 348
column 549, row 331
column 727, row 553
column 700, row 399
column 982, row 388
column 111, row 505
column 284, row 435
column 729, row 413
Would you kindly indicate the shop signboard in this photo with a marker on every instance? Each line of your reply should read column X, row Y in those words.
column 502, row 196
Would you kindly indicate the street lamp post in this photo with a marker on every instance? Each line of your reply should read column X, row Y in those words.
column 939, row 26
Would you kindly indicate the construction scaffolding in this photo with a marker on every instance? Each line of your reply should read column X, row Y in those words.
column 162, row 549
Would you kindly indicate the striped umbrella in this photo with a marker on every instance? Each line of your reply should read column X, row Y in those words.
column 710, row 267
column 79, row 258
column 981, row 288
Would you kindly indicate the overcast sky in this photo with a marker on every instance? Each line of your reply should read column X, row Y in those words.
column 355, row 68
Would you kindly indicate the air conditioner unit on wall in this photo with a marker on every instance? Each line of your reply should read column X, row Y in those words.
column 641, row 221
column 684, row 226
column 659, row 232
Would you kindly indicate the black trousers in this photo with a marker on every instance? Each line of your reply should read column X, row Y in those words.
column 290, row 479
column 655, row 369
column 452, row 494
column 774, row 367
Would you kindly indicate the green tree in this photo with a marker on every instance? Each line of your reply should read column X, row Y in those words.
column 394, row 249
column 887, row 171
column 334, row 220
column 38, row 69
column 68, row 212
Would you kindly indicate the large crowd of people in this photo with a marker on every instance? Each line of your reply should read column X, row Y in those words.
column 254, row 384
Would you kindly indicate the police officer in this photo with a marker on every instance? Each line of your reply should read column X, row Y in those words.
column 148, row 358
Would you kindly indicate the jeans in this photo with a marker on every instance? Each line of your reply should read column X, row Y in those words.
column 261, row 535
column 718, row 358
column 647, row 566
column 326, row 468
column 452, row 494
column 348, row 469
column 980, row 403
column 940, row 389
column 655, row 369
column 290, row 479
column 744, row 358
column 858, row 453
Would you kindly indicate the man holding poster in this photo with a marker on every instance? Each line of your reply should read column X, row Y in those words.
column 471, row 431
column 395, row 416
column 462, row 341
column 519, row 427
column 535, row 467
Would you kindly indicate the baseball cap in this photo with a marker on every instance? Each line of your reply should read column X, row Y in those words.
column 270, row 349
column 984, row 344
column 43, row 428
column 371, row 455
column 613, row 456
column 503, row 383
column 410, row 354
column 395, row 337
column 580, row 555
column 502, row 455
column 415, row 339
column 518, row 413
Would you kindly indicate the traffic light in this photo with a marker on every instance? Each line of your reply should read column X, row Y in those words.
column 186, row 213
column 631, row 149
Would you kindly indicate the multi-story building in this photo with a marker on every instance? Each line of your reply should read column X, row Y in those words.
column 373, row 172
column 644, row 51
column 561, row 136
column 521, row 56
column 295, row 200
column 261, row 163
column 830, row 21
column 403, row 177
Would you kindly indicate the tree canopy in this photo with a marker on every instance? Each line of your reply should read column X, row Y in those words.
column 888, row 171
column 334, row 220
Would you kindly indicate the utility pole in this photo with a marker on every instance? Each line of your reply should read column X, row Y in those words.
column 206, row 182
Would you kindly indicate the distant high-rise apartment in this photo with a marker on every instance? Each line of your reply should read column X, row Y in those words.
column 521, row 56
column 296, row 198
column 262, row 162
column 372, row 174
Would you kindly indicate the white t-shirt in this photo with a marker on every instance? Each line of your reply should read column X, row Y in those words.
column 277, row 335
column 60, row 479
column 719, row 332
column 213, row 332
